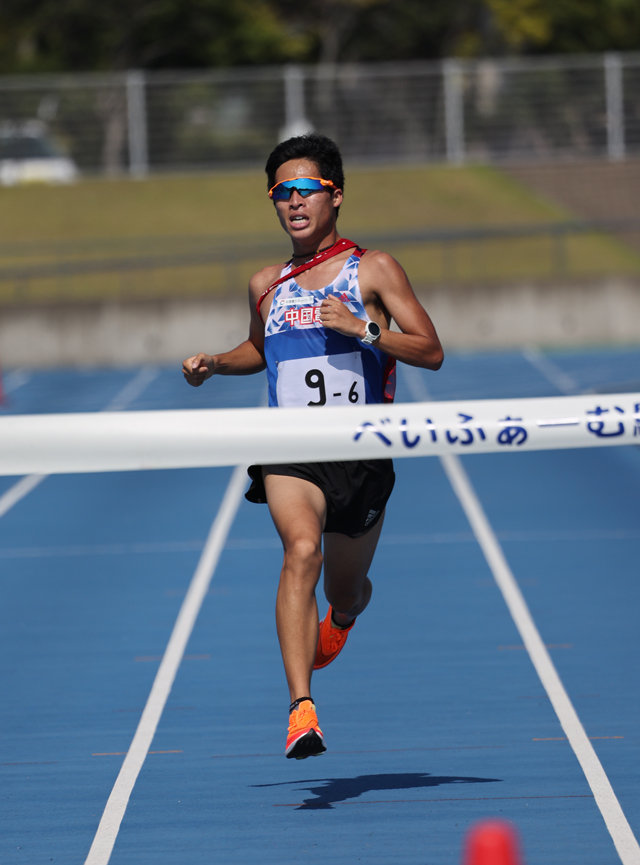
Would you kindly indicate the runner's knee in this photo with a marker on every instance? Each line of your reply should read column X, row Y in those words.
column 349, row 600
column 303, row 559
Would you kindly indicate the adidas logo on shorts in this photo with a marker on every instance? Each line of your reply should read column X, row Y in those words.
column 370, row 517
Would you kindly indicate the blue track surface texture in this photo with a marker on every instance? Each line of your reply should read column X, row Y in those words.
column 434, row 715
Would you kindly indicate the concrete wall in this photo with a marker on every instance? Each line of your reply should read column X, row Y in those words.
column 166, row 331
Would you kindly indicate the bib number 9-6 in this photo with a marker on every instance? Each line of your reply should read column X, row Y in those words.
column 335, row 380
column 315, row 379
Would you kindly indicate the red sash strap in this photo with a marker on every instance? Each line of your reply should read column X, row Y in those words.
column 338, row 246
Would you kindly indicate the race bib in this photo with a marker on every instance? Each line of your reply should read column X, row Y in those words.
column 334, row 380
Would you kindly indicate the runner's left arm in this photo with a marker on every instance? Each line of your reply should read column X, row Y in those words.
column 388, row 294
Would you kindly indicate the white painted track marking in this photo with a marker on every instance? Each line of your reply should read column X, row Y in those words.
column 18, row 491
column 14, row 380
column 606, row 800
column 109, row 826
column 548, row 369
column 122, row 399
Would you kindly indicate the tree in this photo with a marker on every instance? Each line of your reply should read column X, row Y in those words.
column 80, row 35
column 567, row 26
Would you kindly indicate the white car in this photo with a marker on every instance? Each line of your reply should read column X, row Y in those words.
column 32, row 157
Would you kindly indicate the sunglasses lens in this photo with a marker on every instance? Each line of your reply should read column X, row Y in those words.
column 304, row 186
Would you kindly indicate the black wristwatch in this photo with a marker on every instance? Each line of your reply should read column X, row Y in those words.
column 371, row 333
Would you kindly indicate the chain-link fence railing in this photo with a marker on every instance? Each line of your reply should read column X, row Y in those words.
column 455, row 111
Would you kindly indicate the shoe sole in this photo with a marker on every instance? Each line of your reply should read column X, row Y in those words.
column 308, row 745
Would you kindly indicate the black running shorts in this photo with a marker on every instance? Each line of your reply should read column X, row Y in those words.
column 356, row 491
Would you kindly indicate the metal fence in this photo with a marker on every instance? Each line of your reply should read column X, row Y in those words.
column 455, row 111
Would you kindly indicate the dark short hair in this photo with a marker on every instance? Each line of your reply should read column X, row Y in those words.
column 318, row 148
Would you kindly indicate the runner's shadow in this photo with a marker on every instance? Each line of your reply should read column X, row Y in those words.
column 328, row 791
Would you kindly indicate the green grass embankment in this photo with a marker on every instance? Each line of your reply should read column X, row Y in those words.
column 149, row 238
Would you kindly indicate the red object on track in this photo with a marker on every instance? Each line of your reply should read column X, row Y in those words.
column 492, row 842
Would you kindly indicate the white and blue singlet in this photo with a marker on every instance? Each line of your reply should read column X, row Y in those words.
column 310, row 365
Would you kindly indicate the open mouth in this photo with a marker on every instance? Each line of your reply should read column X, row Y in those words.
column 298, row 221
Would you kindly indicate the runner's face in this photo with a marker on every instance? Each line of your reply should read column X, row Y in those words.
column 316, row 213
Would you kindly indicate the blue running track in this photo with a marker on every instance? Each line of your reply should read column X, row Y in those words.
column 434, row 715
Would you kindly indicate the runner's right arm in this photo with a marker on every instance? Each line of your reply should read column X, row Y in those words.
column 244, row 359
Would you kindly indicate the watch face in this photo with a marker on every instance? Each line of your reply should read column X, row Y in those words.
column 373, row 329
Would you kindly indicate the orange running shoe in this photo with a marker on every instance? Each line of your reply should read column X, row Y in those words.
column 304, row 738
column 330, row 641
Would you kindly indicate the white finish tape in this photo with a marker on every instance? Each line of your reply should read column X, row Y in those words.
column 122, row 441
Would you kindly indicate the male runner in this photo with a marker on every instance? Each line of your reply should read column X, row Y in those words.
column 320, row 324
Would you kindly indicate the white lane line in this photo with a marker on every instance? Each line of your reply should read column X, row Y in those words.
column 15, row 379
column 132, row 389
column 122, row 399
column 551, row 371
column 606, row 800
column 18, row 491
column 109, row 826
